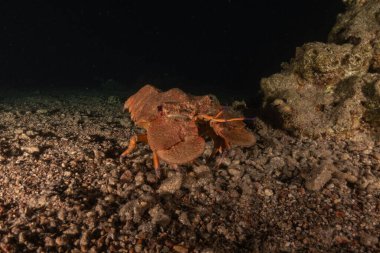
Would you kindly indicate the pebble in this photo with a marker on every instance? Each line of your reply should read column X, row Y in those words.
column 22, row 237
column 146, row 188
column 126, row 176
column 139, row 178
column 61, row 215
column 138, row 247
column 41, row 111
column 30, row 133
column 346, row 176
column 184, row 219
column 31, row 149
column 72, row 230
column 84, row 239
column 224, row 161
column 158, row 215
column 344, row 157
column 358, row 146
column 268, row 192
column 171, row 184
column 24, row 137
column 376, row 155
column 18, row 131
column 319, row 176
column 112, row 180
column 368, row 240
column 277, row 162
column 151, row 178
column 235, row 171
column 49, row 242
column 203, row 169
column 374, row 186
column 180, row 249
column 61, row 240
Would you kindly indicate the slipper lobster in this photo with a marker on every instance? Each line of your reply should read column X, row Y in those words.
column 177, row 123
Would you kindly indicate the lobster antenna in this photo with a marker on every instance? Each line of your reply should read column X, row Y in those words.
column 233, row 119
column 215, row 118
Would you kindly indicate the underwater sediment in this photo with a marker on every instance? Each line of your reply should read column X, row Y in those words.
column 311, row 185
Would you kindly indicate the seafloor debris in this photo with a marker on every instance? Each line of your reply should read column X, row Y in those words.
column 75, row 195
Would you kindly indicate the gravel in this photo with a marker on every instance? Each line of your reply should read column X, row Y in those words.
column 64, row 188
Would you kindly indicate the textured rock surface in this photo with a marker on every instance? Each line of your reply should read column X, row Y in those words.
column 332, row 88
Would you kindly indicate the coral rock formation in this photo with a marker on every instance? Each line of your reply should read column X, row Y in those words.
column 332, row 88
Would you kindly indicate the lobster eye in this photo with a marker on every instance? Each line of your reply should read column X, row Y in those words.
column 159, row 108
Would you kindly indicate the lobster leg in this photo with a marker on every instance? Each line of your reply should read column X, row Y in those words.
column 132, row 143
column 156, row 164
column 219, row 146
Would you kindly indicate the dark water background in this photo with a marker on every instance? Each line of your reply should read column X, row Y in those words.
column 222, row 47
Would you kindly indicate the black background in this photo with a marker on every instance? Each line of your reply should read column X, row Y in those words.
column 223, row 46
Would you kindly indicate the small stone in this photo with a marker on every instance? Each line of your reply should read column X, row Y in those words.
column 22, row 237
column 24, row 137
column 368, row 240
column 72, row 230
column 61, row 215
column 49, row 242
column 42, row 201
column 151, row 178
column 268, row 192
column 224, row 161
column 376, row 155
column 84, row 239
column 344, row 157
column 277, row 162
column 184, row 219
column 61, row 240
column 363, row 182
column 235, row 170
column 18, row 131
column 171, row 184
column 180, row 248
column 31, row 149
column 374, row 186
column 146, row 188
column 139, row 178
column 112, row 181
column 126, row 176
column 207, row 250
column 346, row 176
column 110, row 198
column 30, row 133
column 158, row 216
column 41, row 111
column 201, row 170
column 319, row 177
column 138, row 248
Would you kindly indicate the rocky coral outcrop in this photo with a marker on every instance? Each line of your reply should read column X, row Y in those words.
column 332, row 88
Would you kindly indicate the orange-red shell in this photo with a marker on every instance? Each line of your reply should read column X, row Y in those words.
column 171, row 119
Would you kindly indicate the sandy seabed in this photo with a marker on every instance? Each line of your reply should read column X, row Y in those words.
column 64, row 188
